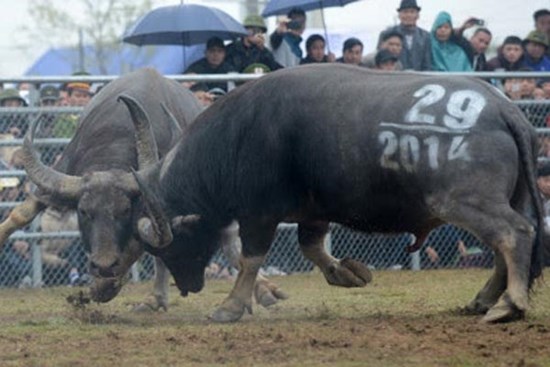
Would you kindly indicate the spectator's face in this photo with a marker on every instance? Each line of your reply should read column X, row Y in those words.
column 527, row 87
column 543, row 24
column 302, row 21
column 79, row 97
column 535, row 50
column 317, row 51
column 480, row 42
column 408, row 17
column 388, row 65
column 353, row 55
column 538, row 93
column 443, row 33
column 48, row 102
column 543, row 183
column 512, row 52
column 12, row 103
column 215, row 56
column 546, row 88
column 393, row 45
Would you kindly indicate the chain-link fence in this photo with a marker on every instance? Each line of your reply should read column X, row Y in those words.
column 48, row 253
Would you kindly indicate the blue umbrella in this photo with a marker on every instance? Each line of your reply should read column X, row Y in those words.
column 185, row 24
column 280, row 7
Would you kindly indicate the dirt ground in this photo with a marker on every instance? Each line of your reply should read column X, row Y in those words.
column 401, row 319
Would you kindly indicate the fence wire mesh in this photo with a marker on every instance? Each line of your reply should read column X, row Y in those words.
column 48, row 252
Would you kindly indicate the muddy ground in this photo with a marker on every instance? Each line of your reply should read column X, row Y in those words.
column 401, row 319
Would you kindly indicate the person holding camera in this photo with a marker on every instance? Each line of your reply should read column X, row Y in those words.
column 476, row 46
column 249, row 54
column 285, row 40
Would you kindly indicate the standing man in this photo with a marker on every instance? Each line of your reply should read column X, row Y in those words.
column 285, row 40
column 417, row 51
column 542, row 23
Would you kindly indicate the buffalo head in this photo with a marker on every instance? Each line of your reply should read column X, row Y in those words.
column 108, row 207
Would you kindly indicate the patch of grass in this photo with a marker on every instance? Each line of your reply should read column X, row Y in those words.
column 402, row 318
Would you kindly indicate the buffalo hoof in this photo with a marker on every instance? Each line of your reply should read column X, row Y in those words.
column 152, row 304
column 348, row 273
column 475, row 308
column 503, row 311
column 231, row 310
column 267, row 293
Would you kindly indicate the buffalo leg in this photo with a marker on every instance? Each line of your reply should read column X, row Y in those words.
column 266, row 292
column 256, row 237
column 345, row 272
column 159, row 298
column 511, row 237
column 488, row 296
column 20, row 216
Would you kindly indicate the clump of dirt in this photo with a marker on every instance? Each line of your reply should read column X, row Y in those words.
column 80, row 303
column 79, row 300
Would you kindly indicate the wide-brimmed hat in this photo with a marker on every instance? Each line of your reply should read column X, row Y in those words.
column 408, row 4
column 537, row 37
column 11, row 93
column 255, row 21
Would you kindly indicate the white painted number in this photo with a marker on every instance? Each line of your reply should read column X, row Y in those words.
column 464, row 108
column 429, row 95
column 404, row 151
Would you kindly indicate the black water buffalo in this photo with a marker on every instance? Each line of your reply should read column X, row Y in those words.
column 93, row 177
column 375, row 151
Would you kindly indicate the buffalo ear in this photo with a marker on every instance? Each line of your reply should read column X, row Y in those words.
column 185, row 223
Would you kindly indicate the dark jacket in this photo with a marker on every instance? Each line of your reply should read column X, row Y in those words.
column 239, row 56
column 481, row 63
column 419, row 56
column 499, row 62
column 202, row 67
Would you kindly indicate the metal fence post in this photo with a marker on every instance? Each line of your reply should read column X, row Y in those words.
column 415, row 260
column 36, row 255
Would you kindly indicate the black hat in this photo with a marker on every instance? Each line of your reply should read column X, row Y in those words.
column 384, row 56
column 214, row 42
column 408, row 4
column 49, row 92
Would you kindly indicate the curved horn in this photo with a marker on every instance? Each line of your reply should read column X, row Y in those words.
column 174, row 125
column 46, row 178
column 154, row 230
column 146, row 145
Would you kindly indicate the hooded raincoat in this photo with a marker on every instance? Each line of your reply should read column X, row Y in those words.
column 447, row 55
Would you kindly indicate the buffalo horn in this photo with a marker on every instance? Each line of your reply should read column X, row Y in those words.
column 146, row 145
column 176, row 128
column 46, row 178
column 155, row 229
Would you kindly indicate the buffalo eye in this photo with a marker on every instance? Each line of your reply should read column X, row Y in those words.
column 84, row 213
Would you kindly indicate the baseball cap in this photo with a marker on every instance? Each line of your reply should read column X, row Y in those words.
column 49, row 92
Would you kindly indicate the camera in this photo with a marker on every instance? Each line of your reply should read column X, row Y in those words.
column 294, row 25
column 479, row 22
